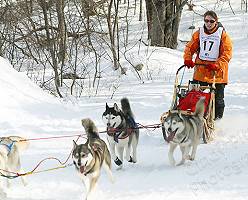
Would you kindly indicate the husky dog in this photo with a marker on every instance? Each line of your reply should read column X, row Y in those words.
column 185, row 131
column 10, row 147
column 88, row 158
column 122, row 132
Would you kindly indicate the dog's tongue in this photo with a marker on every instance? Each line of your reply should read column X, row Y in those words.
column 171, row 136
column 82, row 168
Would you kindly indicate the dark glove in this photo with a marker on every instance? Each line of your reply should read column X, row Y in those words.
column 189, row 63
column 212, row 67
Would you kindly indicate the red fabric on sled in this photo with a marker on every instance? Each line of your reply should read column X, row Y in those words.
column 189, row 101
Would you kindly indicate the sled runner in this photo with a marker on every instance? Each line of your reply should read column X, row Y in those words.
column 184, row 101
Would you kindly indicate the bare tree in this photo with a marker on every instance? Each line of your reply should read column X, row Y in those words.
column 62, row 35
column 62, row 43
column 112, row 26
column 51, row 47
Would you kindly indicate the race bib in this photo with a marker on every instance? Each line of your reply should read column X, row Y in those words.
column 210, row 45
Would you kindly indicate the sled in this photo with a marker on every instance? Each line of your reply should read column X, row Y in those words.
column 185, row 97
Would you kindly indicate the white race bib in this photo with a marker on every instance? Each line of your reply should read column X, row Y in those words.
column 210, row 45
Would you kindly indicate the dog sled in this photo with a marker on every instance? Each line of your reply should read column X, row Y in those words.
column 185, row 97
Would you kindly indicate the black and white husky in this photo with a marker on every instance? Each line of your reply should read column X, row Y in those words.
column 88, row 158
column 122, row 132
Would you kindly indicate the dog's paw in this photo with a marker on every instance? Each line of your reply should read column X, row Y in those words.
column 187, row 157
column 191, row 158
column 173, row 163
column 118, row 161
column 132, row 160
column 181, row 163
column 172, row 160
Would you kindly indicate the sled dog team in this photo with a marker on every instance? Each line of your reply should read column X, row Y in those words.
column 122, row 134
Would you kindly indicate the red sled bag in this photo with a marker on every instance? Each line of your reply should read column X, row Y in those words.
column 188, row 102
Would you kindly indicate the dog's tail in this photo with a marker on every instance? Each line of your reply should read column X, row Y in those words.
column 90, row 128
column 21, row 143
column 200, row 107
column 125, row 106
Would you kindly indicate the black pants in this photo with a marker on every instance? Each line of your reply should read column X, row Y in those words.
column 219, row 97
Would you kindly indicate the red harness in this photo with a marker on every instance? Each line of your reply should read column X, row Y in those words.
column 115, row 132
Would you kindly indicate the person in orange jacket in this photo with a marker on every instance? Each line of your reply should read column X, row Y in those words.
column 213, row 49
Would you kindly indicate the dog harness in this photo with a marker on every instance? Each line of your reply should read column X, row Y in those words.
column 184, row 139
column 116, row 132
column 131, row 121
column 8, row 146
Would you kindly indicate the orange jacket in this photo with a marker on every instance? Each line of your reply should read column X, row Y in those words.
column 201, row 73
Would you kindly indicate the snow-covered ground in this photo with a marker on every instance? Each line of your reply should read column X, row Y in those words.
column 220, row 170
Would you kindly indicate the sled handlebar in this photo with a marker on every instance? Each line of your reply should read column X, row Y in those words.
column 213, row 84
column 186, row 66
column 180, row 69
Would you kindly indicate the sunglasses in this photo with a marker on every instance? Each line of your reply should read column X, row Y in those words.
column 207, row 20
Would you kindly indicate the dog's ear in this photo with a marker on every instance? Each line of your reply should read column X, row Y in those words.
column 180, row 114
column 107, row 107
column 85, row 123
column 164, row 116
column 88, row 144
column 116, row 107
column 87, row 141
column 74, row 144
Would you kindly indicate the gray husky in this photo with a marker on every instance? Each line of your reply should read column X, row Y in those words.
column 88, row 158
column 10, row 148
column 185, row 131
column 122, row 132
